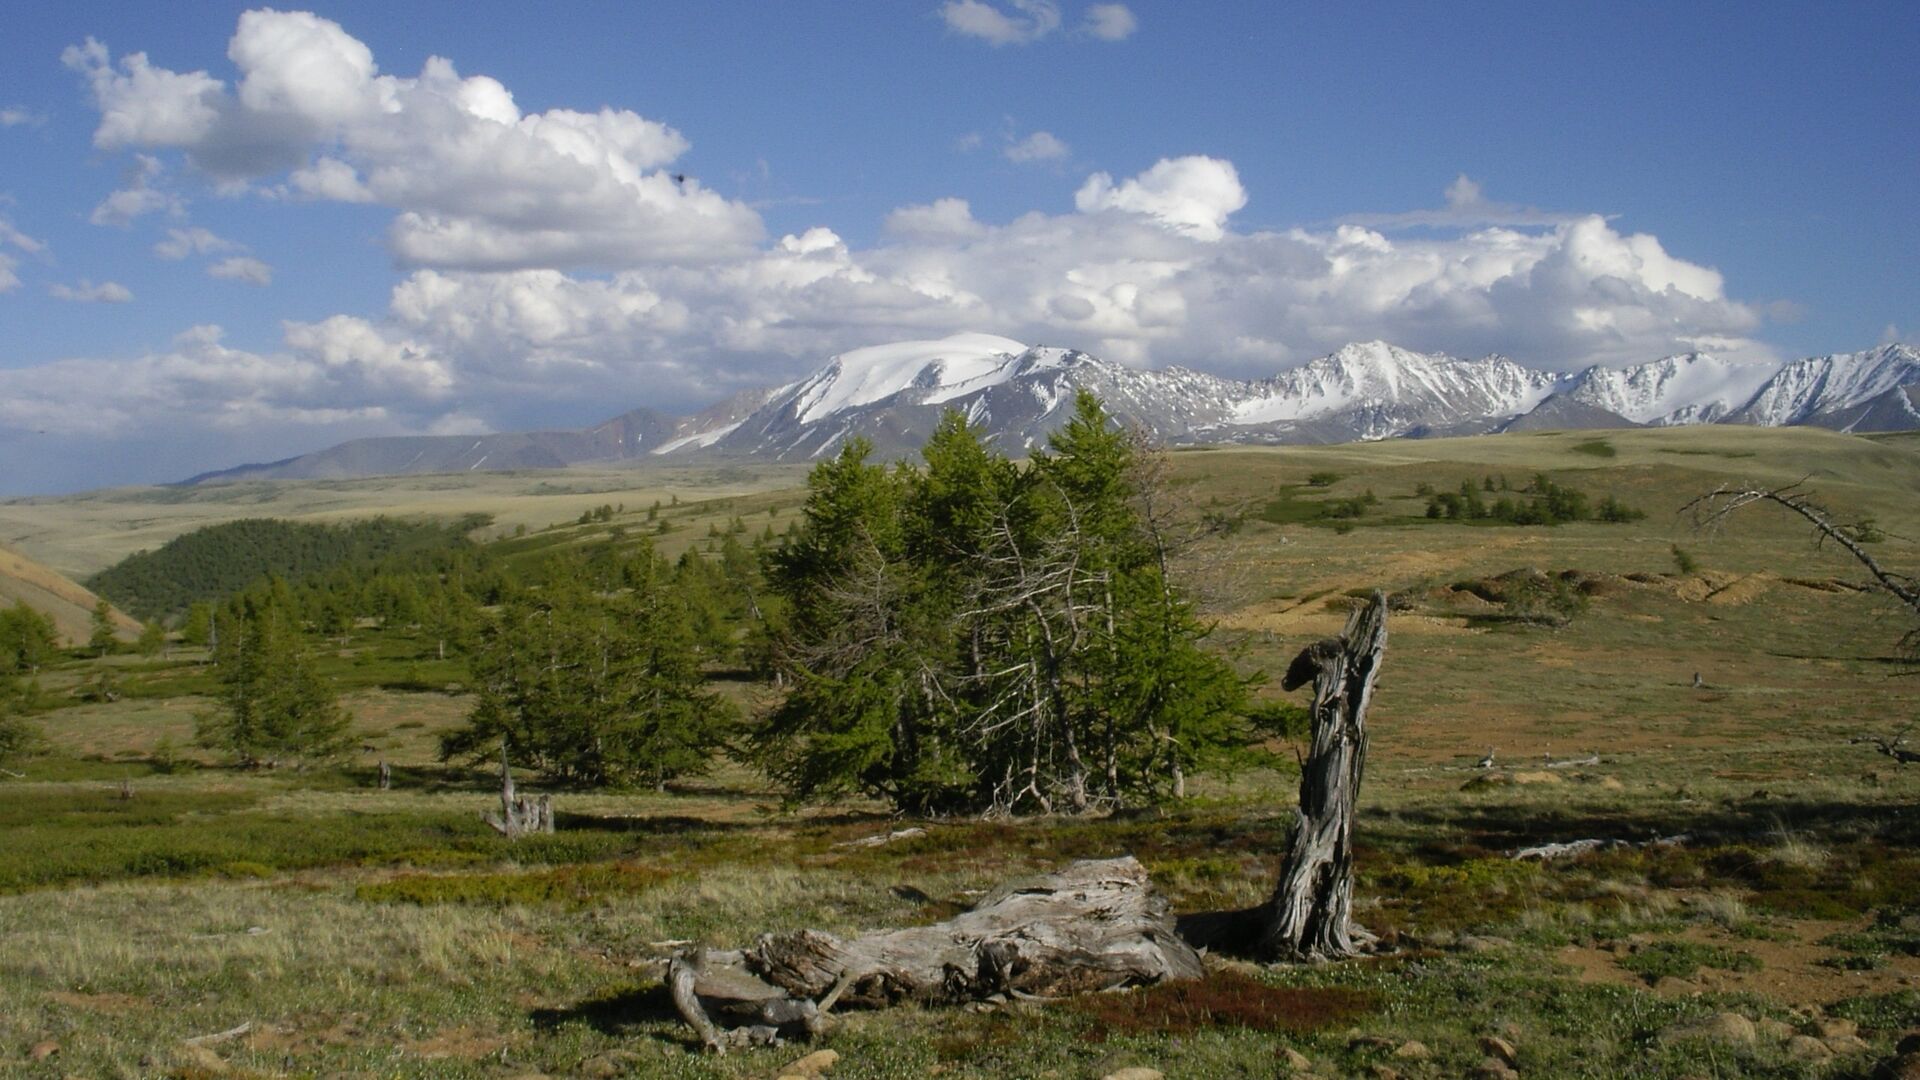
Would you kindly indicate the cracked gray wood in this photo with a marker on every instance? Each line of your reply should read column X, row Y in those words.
column 1096, row 925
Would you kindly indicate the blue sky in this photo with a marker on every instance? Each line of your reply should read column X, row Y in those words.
column 283, row 229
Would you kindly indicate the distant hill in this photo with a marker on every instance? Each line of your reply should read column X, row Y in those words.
column 218, row 560
column 629, row 436
column 23, row 581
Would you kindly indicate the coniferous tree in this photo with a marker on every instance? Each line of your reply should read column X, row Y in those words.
column 594, row 687
column 28, row 639
column 102, row 640
column 18, row 735
column 197, row 627
column 981, row 636
column 276, row 706
column 153, row 638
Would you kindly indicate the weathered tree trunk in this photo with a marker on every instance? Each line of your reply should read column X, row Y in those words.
column 386, row 776
column 1095, row 925
column 1310, row 914
column 519, row 815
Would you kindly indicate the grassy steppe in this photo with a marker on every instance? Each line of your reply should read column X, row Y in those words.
column 370, row 933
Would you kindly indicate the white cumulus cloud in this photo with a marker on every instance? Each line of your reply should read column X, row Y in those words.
column 139, row 197
column 476, row 183
column 193, row 240
column 1039, row 146
column 1193, row 194
column 1020, row 22
column 1111, row 22
column 86, row 292
column 244, row 268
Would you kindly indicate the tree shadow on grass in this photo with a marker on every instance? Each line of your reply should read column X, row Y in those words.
column 1503, row 827
column 620, row 1013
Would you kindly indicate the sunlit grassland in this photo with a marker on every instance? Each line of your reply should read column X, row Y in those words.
column 390, row 933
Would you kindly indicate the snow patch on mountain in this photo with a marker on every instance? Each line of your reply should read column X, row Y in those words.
column 1371, row 374
column 1694, row 388
column 945, row 369
column 1806, row 388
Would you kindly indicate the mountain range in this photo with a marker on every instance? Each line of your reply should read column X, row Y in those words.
column 894, row 394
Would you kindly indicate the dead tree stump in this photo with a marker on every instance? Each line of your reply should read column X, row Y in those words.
column 1310, row 914
column 520, row 815
column 1096, row 925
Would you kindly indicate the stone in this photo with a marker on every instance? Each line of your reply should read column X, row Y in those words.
column 1382, row 1072
column 1412, row 1050
column 1668, row 986
column 1833, row 1027
column 1135, row 1072
column 1723, row 1027
column 601, row 1067
column 203, row 1059
column 1808, row 1048
column 1493, row 1069
column 43, row 1050
column 1295, row 1060
column 1501, row 1050
column 1773, row 1030
column 812, row 1065
column 1846, row 1044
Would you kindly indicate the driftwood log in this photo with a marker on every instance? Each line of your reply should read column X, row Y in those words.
column 1095, row 925
column 1310, row 916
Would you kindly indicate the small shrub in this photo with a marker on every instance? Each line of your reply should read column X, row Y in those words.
column 1684, row 561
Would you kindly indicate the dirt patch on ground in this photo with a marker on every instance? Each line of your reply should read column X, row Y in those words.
column 108, row 1003
column 1743, row 590
column 1797, row 970
column 459, row 1043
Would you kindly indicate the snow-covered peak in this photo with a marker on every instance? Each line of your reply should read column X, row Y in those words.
column 950, row 366
column 1692, row 388
column 1817, row 384
column 1376, row 373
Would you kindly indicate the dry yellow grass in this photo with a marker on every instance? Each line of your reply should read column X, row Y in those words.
column 24, row 581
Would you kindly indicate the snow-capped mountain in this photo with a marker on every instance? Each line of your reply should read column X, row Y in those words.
column 1694, row 388
column 1818, row 388
column 1017, row 394
column 1379, row 391
column 894, row 394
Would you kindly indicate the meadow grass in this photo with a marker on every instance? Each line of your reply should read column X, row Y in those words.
column 391, row 933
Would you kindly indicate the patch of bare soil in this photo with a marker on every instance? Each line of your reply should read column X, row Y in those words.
column 1794, row 971
column 99, row 1002
column 458, row 1043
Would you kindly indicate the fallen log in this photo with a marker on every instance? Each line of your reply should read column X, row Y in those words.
column 1096, row 925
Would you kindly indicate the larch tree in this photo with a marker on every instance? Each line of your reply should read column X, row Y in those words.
column 594, row 687
column 981, row 636
column 276, row 705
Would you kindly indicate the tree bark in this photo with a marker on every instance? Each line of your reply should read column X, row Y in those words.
column 1096, row 925
column 520, row 815
column 1310, row 914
